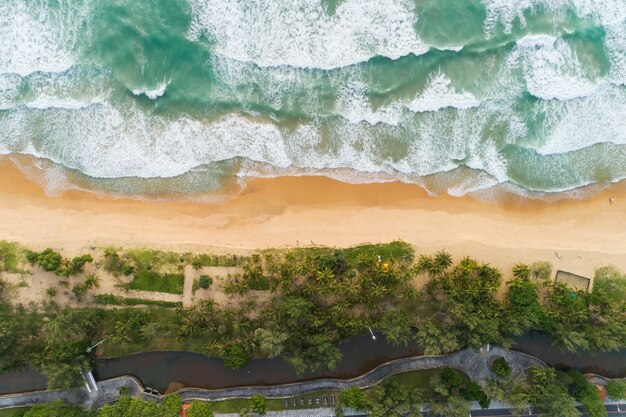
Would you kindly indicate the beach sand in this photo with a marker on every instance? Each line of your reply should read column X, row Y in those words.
column 301, row 211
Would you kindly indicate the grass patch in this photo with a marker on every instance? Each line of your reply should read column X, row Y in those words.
column 205, row 260
column 153, row 281
column 151, row 259
column 110, row 299
column 397, row 251
column 10, row 412
column 12, row 256
column 235, row 406
column 421, row 379
column 260, row 283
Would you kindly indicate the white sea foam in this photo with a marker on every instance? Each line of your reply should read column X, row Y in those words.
column 577, row 124
column 457, row 48
column 9, row 90
column 282, row 88
column 35, row 37
column 505, row 12
column 100, row 141
column 532, row 40
column 439, row 93
column 152, row 94
column 48, row 102
column 103, row 142
column 352, row 104
column 615, row 45
column 553, row 71
column 279, row 32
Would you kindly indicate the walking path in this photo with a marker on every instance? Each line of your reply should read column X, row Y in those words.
column 188, row 287
column 470, row 361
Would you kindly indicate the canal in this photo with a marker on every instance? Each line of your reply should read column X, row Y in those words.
column 175, row 370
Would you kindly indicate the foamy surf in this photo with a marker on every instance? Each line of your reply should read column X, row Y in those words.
column 275, row 33
column 35, row 37
column 531, row 98
column 152, row 94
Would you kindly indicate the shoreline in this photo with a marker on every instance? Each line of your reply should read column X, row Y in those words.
column 303, row 211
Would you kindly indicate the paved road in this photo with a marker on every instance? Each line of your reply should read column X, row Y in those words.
column 613, row 411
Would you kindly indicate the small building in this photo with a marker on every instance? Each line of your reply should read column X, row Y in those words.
column 577, row 282
column 183, row 411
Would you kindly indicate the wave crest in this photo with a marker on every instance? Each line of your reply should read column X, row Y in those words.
column 277, row 32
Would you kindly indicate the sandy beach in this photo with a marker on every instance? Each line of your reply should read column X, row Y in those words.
column 578, row 235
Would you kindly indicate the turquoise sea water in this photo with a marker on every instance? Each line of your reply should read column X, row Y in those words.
column 186, row 96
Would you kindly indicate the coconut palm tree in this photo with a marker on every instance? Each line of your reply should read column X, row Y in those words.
column 92, row 281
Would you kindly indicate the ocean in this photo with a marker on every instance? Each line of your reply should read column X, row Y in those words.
column 192, row 97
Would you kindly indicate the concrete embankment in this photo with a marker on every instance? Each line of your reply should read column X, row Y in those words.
column 472, row 362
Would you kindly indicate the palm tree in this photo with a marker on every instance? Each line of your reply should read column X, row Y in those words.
column 92, row 281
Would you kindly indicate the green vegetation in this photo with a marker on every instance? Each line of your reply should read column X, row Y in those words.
column 135, row 407
column 236, row 406
column 318, row 297
column 584, row 392
column 12, row 256
column 236, row 356
column 51, row 261
column 13, row 412
column 206, row 260
column 354, row 398
column 111, row 299
column 48, row 259
column 153, row 281
column 549, row 395
column 616, row 389
column 205, row 281
column 257, row 404
column 199, row 409
column 392, row 399
column 56, row 409
column 501, row 367
column 146, row 265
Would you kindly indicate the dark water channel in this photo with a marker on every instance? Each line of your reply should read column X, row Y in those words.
column 361, row 354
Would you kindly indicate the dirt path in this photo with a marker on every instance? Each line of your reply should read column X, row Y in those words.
column 188, row 287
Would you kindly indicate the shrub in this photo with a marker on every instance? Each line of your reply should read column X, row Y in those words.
column 199, row 409
column 541, row 270
column 616, row 390
column 501, row 367
column 49, row 260
column 11, row 256
column 451, row 378
column 471, row 391
column 521, row 271
column 78, row 264
column 119, row 301
column 79, row 290
column 170, row 407
column 52, row 261
column 235, row 356
column 205, row 281
column 114, row 264
column 51, row 292
column 354, row 398
column 257, row 403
